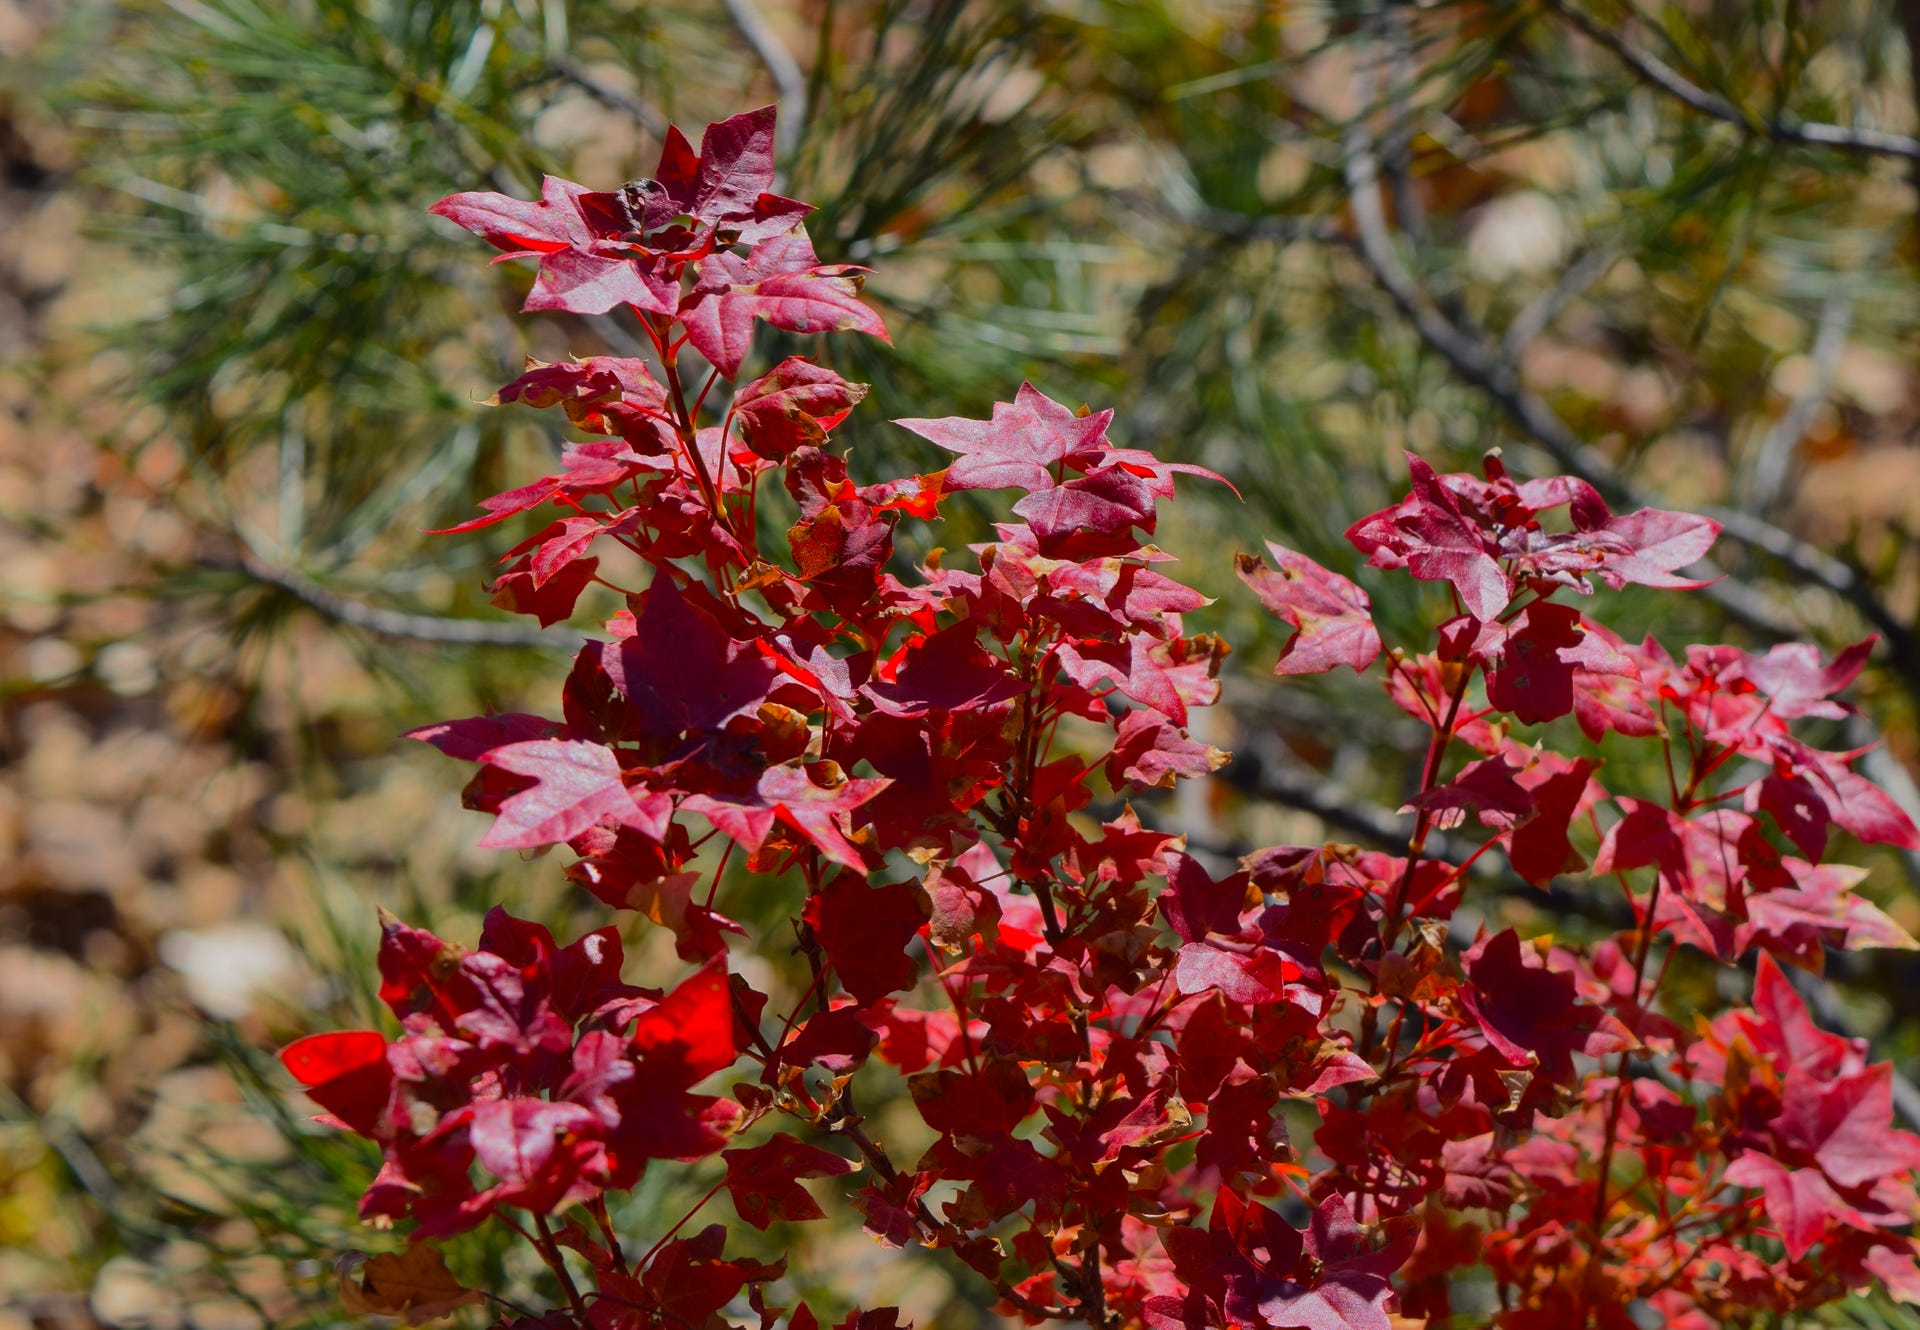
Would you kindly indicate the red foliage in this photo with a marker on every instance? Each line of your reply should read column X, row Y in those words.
column 1101, row 1033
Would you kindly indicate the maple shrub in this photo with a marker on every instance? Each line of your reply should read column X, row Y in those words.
column 1103, row 1035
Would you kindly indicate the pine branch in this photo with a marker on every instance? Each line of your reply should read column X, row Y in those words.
column 394, row 623
column 1464, row 348
column 1814, row 134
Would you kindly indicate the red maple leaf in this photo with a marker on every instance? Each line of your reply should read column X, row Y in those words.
column 782, row 281
column 789, row 795
column 1331, row 617
column 726, row 185
column 1530, row 1013
column 764, row 1179
column 793, row 404
column 865, row 931
column 1021, row 446
column 1152, row 752
column 577, row 784
column 1430, row 535
column 346, row 1073
column 601, row 394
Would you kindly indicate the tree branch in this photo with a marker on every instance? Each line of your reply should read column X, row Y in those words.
column 644, row 114
column 394, row 623
column 1465, row 350
column 1656, row 72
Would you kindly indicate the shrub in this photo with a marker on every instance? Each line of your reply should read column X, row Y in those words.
column 1103, row 1035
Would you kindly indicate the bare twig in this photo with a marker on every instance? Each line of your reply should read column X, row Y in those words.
column 789, row 83
column 1540, row 312
column 394, row 623
column 643, row 113
column 1656, row 72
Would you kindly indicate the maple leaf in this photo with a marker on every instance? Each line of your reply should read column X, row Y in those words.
column 413, row 1284
column 789, row 795
column 1797, row 684
column 1430, row 535
column 782, row 281
column 1020, row 445
column 519, row 591
column 1108, row 502
column 1658, row 542
column 1845, row 1124
column 589, row 468
column 1152, row 752
column 1650, row 834
column 601, row 394
column 1487, row 788
column 543, row 1152
column 793, row 404
column 947, row 671
column 1802, row 1203
column 585, row 268
column 961, row 907
column 1331, row 617
column 473, row 738
column 1540, row 848
column 345, row 1072
column 1349, row 1290
column 1537, row 657
column 1528, row 1012
column 1797, row 808
column 1219, row 953
column 865, row 931
column 1820, row 906
column 577, row 785
column 689, row 1034
column 726, row 185
column 680, row 672
column 764, row 1180
column 836, row 1040
column 689, row 1279
column 990, row 1102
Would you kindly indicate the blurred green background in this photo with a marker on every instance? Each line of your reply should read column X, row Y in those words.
column 241, row 369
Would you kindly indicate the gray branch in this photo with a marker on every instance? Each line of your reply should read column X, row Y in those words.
column 1657, row 73
column 1465, row 350
column 644, row 114
column 393, row 623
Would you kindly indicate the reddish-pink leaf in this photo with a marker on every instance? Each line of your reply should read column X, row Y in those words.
column 346, row 1073
column 781, row 281
column 794, row 403
column 1332, row 618
column 764, row 1179
column 577, row 784
column 1021, row 445
column 865, row 931
column 789, row 795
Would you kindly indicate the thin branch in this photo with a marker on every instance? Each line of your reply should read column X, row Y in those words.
column 1466, row 351
column 643, row 113
column 1656, row 72
column 1543, row 309
column 789, row 83
column 394, row 623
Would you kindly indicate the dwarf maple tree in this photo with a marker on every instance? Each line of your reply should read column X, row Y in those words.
column 1106, row 1037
